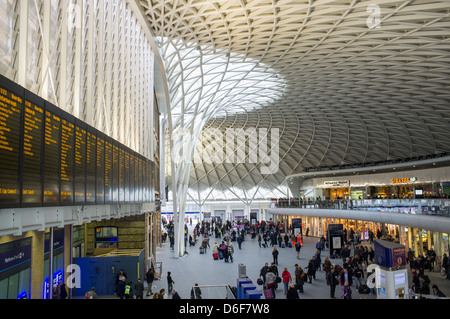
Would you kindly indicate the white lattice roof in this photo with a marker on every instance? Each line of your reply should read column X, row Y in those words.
column 341, row 88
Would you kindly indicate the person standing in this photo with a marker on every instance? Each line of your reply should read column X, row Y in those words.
column 170, row 281
column 275, row 253
column 230, row 250
column 346, row 291
column 299, row 278
column 287, row 279
column 139, row 289
column 149, row 277
column 311, row 270
column 298, row 246
column 332, row 282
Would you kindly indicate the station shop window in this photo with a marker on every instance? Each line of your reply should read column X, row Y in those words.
column 106, row 237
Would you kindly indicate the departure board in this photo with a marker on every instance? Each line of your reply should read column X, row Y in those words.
column 80, row 163
column 108, row 170
column 67, row 157
column 50, row 158
column 115, row 172
column 33, row 130
column 100, row 171
column 121, row 175
column 10, row 128
column 52, row 161
column 131, row 177
column 91, row 163
column 126, row 176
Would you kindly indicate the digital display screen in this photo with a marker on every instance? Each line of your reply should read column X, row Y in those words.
column 32, row 151
column 50, row 158
column 67, row 162
column 91, row 163
column 52, row 161
column 80, row 163
column 100, row 171
column 10, row 128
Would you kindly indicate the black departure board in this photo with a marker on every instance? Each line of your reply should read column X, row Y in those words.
column 121, row 174
column 131, row 178
column 108, row 170
column 115, row 172
column 11, row 100
column 91, row 164
column 33, row 131
column 50, row 158
column 80, row 163
column 52, row 143
column 100, row 171
column 67, row 158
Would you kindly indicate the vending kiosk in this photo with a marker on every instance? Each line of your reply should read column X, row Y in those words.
column 391, row 273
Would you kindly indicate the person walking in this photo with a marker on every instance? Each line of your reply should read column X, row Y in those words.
column 263, row 272
column 271, row 281
column 287, row 279
column 311, row 270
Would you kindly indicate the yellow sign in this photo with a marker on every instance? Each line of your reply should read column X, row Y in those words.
column 400, row 180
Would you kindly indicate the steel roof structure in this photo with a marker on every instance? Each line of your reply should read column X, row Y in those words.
column 344, row 82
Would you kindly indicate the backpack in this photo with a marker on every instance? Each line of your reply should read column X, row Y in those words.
column 364, row 289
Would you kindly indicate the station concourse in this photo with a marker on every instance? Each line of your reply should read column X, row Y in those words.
column 120, row 117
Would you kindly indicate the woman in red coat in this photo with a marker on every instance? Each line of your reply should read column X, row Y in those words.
column 286, row 279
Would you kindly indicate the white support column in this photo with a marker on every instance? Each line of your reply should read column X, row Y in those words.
column 45, row 37
column 77, row 31
column 90, row 89
column 63, row 57
column 23, row 43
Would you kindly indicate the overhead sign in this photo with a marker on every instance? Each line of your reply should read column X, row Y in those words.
column 336, row 183
column 403, row 180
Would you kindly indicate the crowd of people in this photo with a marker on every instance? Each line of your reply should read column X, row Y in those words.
column 345, row 269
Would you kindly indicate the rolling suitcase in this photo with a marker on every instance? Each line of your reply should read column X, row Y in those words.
column 202, row 250
column 215, row 256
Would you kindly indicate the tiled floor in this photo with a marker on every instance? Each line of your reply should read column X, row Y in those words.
column 202, row 269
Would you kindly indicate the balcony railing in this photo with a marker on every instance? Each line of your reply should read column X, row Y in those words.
column 438, row 207
column 212, row 292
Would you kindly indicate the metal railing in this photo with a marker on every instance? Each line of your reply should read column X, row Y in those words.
column 439, row 207
column 212, row 292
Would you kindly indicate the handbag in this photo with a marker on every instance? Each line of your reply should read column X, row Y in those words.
column 268, row 294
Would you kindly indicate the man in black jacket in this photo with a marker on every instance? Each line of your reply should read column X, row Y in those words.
column 332, row 282
column 263, row 272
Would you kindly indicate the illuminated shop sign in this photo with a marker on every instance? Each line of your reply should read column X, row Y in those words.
column 403, row 180
column 336, row 183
